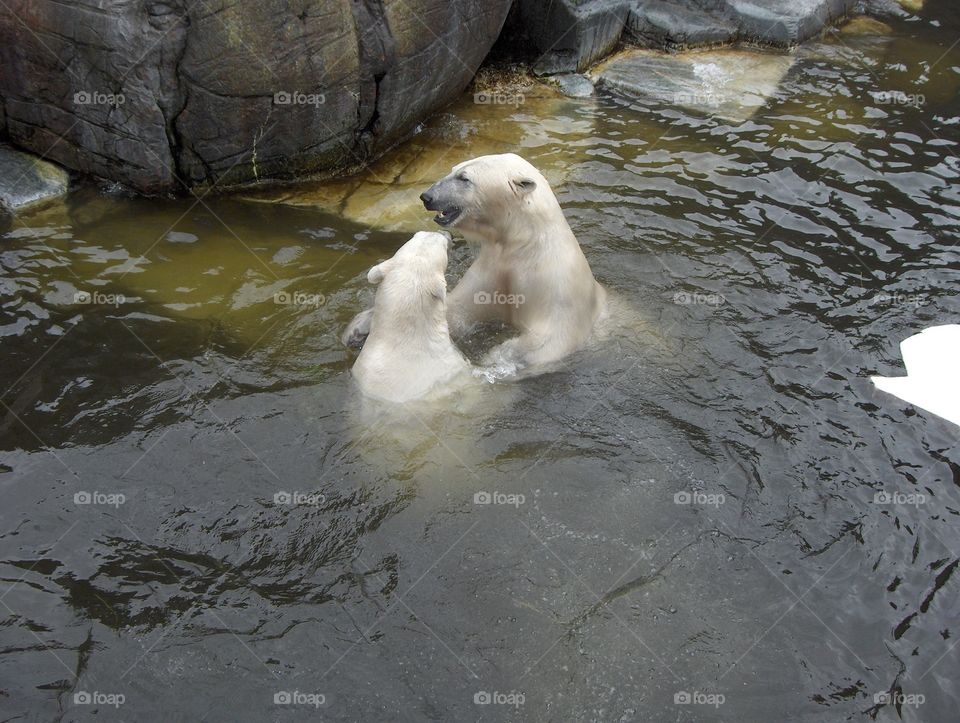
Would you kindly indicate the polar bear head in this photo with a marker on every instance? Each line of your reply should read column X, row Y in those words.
column 409, row 352
column 413, row 287
column 492, row 197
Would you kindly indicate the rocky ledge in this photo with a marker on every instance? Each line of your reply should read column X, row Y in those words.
column 163, row 95
column 572, row 35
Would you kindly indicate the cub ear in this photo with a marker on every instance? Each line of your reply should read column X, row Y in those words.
column 523, row 185
column 437, row 287
column 376, row 274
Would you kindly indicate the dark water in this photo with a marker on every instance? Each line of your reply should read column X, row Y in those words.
column 769, row 268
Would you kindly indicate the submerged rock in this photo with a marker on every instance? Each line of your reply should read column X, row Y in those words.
column 730, row 84
column 913, row 6
column 900, row 8
column 163, row 94
column 574, row 85
column 27, row 181
column 862, row 25
column 858, row 43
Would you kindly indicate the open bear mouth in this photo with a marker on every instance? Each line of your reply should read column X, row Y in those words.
column 446, row 216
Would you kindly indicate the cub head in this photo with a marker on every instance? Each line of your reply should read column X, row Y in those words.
column 484, row 197
column 412, row 282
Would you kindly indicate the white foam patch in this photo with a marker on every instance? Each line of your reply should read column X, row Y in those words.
column 932, row 361
column 497, row 371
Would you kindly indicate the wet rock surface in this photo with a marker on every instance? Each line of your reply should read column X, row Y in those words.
column 573, row 34
column 659, row 24
column 28, row 182
column 729, row 84
column 524, row 116
column 734, row 83
column 161, row 95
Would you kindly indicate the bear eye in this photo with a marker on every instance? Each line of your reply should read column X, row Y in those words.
column 463, row 177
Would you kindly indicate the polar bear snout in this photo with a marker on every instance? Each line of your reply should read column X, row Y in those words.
column 438, row 198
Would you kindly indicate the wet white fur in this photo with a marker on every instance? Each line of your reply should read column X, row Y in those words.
column 408, row 353
column 526, row 250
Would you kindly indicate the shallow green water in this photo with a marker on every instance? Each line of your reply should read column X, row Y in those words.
column 184, row 354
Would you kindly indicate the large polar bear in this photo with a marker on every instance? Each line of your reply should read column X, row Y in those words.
column 530, row 271
column 408, row 353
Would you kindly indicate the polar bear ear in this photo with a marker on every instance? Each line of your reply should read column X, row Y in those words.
column 376, row 274
column 523, row 185
column 437, row 287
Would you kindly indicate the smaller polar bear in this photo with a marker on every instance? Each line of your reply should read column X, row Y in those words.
column 408, row 352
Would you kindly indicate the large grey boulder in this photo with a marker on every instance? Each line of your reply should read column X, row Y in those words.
column 27, row 181
column 786, row 22
column 571, row 35
column 163, row 93
column 672, row 24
